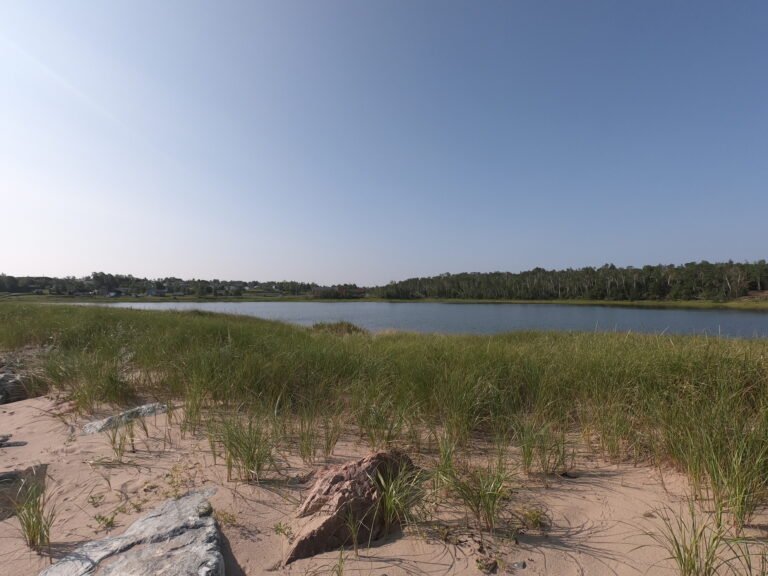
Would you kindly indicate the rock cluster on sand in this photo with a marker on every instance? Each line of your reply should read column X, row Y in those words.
column 124, row 417
column 179, row 538
column 340, row 493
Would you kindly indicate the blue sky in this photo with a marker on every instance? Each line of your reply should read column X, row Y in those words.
column 372, row 141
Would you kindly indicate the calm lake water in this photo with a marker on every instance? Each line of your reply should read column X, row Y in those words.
column 489, row 318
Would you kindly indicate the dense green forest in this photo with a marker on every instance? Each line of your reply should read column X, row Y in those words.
column 695, row 280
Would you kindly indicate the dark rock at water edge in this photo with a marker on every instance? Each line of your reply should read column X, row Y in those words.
column 179, row 538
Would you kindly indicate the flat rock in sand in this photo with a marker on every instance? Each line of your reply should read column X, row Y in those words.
column 179, row 538
column 124, row 417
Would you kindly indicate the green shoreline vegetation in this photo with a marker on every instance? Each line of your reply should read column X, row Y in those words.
column 694, row 403
column 745, row 304
column 729, row 285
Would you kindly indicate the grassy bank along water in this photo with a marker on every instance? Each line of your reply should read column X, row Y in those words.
column 259, row 387
column 759, row 304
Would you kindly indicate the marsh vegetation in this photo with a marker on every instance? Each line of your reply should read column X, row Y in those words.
column 262, row 389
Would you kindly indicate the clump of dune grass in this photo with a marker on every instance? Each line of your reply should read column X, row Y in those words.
column 692, row 540
column 484, row 492
column 117, row 437
column 380, row 418
column 747, row 557
column 534, row 518
column 739, row 482
column 308, row 433
column 249, row 447
column 195, row 400
column 552, row 451
column 445, row 468
column 36, row 515
column 700, row 543
column 526, row 435
column 333, row 427
column 401, row 495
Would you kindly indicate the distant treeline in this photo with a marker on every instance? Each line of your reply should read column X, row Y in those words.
column 692, row 281
column 104, row 284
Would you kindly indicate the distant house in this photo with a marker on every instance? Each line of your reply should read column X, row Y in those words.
column 156, row 291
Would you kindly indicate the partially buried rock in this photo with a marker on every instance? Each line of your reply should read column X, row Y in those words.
column 180, row 538
column 124, row 417
column 15, row 484
column 12, row 388
column 340, row 496
column 6, row 442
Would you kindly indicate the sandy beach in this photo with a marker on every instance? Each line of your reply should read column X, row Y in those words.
column 595, row 522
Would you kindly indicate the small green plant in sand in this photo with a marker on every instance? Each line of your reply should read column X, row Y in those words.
column 353, row 523
column 225, row 518
column 117, row 438
column 96, row 500
column 338, row 568
column 36, row 515
column 105, row 522
column 177, row 480
column 283, row 529
column 534, row 518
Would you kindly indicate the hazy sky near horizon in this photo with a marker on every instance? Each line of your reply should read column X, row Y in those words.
column 373, row 141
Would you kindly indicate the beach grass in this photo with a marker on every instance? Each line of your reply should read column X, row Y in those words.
column 36, row 515
column 698, row 404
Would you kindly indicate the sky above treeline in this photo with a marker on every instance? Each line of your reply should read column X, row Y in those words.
column 374, row 141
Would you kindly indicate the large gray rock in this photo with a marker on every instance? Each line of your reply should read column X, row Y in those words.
column 344, row 495
column 124, row 418
column 180, row 538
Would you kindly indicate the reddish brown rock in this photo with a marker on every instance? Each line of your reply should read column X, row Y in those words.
column 339, row 494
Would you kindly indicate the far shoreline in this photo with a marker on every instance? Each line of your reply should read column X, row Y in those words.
column 747, row 305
